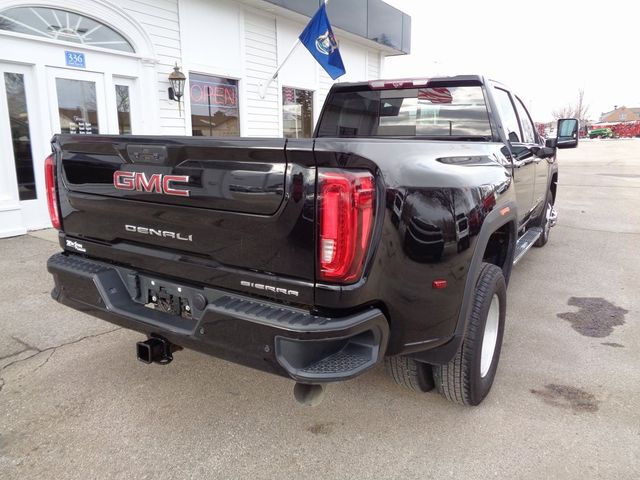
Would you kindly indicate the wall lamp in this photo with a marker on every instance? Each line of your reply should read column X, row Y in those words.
column 177, row 81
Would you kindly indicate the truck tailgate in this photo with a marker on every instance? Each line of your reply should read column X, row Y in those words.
column 234, row 204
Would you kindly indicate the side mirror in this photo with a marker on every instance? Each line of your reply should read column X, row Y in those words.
column 551, row 142
column 567, row 133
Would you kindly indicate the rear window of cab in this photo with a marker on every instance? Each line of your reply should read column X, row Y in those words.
column 433, row 112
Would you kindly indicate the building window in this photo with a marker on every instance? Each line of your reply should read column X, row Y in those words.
column 62, row 25
column 124, row 109
column 297, row 113
column 77, row 106
column 214, row 106
column 20, row 134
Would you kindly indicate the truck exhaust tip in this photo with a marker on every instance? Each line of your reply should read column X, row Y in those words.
column 308, row 394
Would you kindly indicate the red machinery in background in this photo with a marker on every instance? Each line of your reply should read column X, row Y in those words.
column 626, row 130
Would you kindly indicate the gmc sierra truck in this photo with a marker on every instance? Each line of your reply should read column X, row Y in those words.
column 388, row 236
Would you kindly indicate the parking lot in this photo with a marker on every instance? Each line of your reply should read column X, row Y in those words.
column 75, row 402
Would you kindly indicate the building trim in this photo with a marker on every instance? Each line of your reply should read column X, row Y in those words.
column 103, row 12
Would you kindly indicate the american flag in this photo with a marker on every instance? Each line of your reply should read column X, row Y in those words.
column 289, row 95
column 435, row 95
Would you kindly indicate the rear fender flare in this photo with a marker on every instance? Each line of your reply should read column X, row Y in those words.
column 494, row 221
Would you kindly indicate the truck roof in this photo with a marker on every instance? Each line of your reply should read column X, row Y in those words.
column 410, row 82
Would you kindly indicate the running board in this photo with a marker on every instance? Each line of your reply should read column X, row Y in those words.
column 525, row 242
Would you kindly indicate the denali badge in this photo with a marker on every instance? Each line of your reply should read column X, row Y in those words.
column 159, row 233
column 269, row 288
column 156, row 183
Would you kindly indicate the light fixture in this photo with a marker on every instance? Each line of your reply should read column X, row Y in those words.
column 177, row 81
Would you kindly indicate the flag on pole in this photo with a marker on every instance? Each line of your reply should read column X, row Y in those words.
column 318, row 38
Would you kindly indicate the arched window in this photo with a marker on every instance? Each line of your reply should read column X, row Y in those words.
column 62, row 25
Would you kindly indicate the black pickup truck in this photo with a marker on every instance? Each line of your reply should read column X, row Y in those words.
column 389, row 236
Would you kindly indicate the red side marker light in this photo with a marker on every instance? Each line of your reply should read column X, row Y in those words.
column 439, row 284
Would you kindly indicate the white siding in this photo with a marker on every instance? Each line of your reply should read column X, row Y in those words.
column 212, row 37
column 160, row 20
column 324, row 85
column 260, row 61
column 373, row 65
column 354, row 57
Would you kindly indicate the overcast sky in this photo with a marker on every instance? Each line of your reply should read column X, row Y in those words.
column 544, row 50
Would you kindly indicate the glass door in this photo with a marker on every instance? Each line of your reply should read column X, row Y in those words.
column 21, row 181
column 125, row 105
column 77, row 102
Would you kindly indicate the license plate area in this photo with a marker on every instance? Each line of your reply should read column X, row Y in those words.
column 168, row 299
column 180, row 304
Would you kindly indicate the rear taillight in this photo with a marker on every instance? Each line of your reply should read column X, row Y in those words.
column 50, row 182
column 347, row 207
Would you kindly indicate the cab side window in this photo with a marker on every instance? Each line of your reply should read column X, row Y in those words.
column 528, row 130
column 508, row 115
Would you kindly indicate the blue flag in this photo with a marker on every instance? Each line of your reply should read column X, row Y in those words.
column 319, row 40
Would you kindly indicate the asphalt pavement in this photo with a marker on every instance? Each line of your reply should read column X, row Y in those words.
column 76, row 404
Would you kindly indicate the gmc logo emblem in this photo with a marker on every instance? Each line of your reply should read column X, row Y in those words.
column 155, row 183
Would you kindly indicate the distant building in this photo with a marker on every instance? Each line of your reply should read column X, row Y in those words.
column 621, row 114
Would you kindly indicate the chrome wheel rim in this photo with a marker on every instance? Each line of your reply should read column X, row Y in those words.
column 547, row 225
column 490, row 336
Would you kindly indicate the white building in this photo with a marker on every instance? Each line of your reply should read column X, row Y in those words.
column 102, row 66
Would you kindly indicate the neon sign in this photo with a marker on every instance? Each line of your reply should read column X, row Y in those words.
column 214, row 94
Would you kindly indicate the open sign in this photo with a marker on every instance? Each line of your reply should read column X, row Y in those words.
column 214, row 94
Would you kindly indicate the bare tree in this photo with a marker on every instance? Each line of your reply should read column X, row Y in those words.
column 579, row 110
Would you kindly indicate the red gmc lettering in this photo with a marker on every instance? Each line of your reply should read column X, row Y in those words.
column 166, row 185
column 155, row 183
column 123, row 180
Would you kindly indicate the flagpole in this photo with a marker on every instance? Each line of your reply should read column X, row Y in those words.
column 265, row 86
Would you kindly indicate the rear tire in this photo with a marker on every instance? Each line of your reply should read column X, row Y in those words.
column 409, row 373
column 468, row 378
